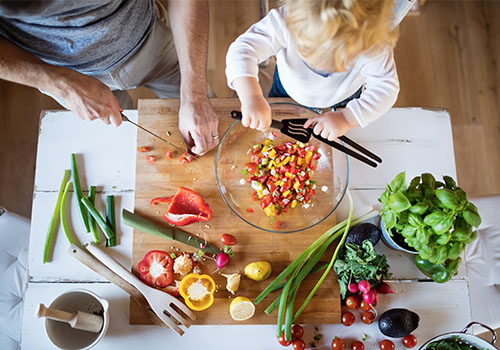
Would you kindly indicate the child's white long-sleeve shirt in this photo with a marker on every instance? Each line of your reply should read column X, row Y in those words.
column 270, row 37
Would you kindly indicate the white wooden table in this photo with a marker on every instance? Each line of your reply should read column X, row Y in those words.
column 414, row 140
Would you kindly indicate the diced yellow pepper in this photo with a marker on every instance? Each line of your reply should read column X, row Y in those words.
column 294, row 203
column 270, row 210
column 286, row 193
column 292, row 158
column 299, row 161
column 308, row 157
column 267, row 142
column 272, row 153
column 287, row 174
column 265, row 149
column 271, row 164
column 296, row 185
column 282, row 182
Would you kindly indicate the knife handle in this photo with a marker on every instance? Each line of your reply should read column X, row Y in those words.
column 236, row 115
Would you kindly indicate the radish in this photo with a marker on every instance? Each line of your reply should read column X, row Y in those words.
column 385, row 288
column 370, row 296
column 364, row 286
column 221, row 260
column 353, row 287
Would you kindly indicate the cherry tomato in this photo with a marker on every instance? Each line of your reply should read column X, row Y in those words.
column 228, row 239
column 282, row 340
column 150, row 158
column 410, row 341
column 357, row 345
column 364, row 306
column 387, row 345
column 368, row 317
column 143, row 149
column 338, row 344
column 168, row 155
column 297, row 331
column 352, row 302
column 251, row 168
column 298, row 344
column 348, row 318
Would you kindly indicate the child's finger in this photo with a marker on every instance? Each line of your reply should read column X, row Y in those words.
column 318, row 128
column 245, row 121
column 254, row 123
column 325, row 133
column 310, row 122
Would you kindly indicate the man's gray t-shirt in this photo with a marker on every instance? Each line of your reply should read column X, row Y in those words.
column 89, row 36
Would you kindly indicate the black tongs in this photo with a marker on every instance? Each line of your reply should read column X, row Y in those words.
column 295, row 129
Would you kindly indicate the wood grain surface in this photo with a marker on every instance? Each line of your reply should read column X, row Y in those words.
column 163, row 177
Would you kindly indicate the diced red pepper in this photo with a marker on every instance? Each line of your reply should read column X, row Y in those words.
column 159, row 200
column 156, row 269
column 250, row 210
column 254, row 196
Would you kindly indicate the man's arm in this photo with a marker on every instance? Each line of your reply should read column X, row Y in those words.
column 87, row 97
column 198, row 122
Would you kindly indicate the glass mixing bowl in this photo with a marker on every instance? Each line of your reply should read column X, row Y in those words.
column 234, row 151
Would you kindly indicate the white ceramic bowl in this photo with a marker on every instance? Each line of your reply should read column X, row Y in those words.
column 466, row 337
column 61, row 333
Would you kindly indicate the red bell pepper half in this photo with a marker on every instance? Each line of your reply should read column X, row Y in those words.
column 187, row 207
column 156, row 269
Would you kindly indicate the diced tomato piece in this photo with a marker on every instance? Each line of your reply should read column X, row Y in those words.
column 168, row 155
column 254, row 196
column 251, row 168
column 143, row 149
column 316, row 155
column 250, row 210
column 266, row 200
column 150, row 158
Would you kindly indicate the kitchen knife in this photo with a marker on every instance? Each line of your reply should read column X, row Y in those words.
column 125, row 119
column 171, row 233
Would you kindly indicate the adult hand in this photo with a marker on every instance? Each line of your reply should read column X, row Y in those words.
column 198, row 125
column 329, row 125
column 90, row 99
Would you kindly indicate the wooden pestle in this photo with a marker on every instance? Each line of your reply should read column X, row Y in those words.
column 78, row 319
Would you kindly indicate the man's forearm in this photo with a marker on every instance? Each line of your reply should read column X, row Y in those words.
column 189, row 24
column 19, row 66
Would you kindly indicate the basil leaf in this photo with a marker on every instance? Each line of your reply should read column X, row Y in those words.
column 442, row 255
column 414, row 182
column 447, row 198
column 425, row 252
column 471, row 237
column 434, row 218
column 419, row 208
column 415, row 220
column 460, row 234
column 443, row 239
column 398, row 202
column 389, row 218
column 472, row 218
column 455, row 249
column 398, row 184
column 422, row 235
column 429, row 181
column 444, row 225
column 449, row 182
column 472, row 207
column 409, row 231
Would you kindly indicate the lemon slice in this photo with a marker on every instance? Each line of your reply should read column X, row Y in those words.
column 241, row 309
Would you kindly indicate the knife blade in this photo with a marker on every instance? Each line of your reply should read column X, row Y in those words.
column 172, row 233
column 125, row 119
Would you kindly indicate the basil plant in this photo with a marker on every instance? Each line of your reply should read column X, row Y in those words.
column 434, row 217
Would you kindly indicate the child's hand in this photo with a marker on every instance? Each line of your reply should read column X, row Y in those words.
column 254, row 107
column 329, row 125
column 256, row 113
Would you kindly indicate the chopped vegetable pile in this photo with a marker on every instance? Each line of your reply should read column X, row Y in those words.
column 281, row 175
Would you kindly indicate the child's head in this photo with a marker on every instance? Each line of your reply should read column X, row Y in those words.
column 330, row 34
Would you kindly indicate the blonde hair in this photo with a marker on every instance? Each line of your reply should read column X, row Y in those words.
column 330, row 34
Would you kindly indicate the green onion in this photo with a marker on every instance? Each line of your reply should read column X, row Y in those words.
column 110, row 219
column 289, row 315
column 92, row 224
column 78, row 192
column 53, row 220
column 110, row 235
column 283, row 298
column 63, row 213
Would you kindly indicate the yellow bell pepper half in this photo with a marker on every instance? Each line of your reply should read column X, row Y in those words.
column 197, row 291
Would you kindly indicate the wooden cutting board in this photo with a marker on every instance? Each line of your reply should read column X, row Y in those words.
column 163, row 177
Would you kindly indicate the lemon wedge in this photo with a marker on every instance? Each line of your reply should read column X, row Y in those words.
column 241, row 309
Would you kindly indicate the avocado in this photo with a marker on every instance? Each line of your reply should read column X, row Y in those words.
column 398, row 323
column 362, row 232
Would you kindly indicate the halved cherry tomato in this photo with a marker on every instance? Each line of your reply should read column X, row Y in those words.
column 282, row 340
column 387, row 345
column 228, row 239
column 352, row 302
column 409, row 341
column 251, row 168
column 348, row 318
column 357, row 345
column 143, row 149
column 299, row 344
column 338, row 344
column 168, row 155
column 364, row 306
column 368, row 317
column 150, row 158
column 297, row 331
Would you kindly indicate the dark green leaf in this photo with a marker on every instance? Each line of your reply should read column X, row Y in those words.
column 460, row 194
column 455, row 249
column 434, row 218
column 429, row 181
column 398, row 202
column 450, row 183
column 472, row 218
column 460, row 235
column 447, row 198
column 398, row 184
column 442, row 254
column 472, row 207
column 414, row 182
